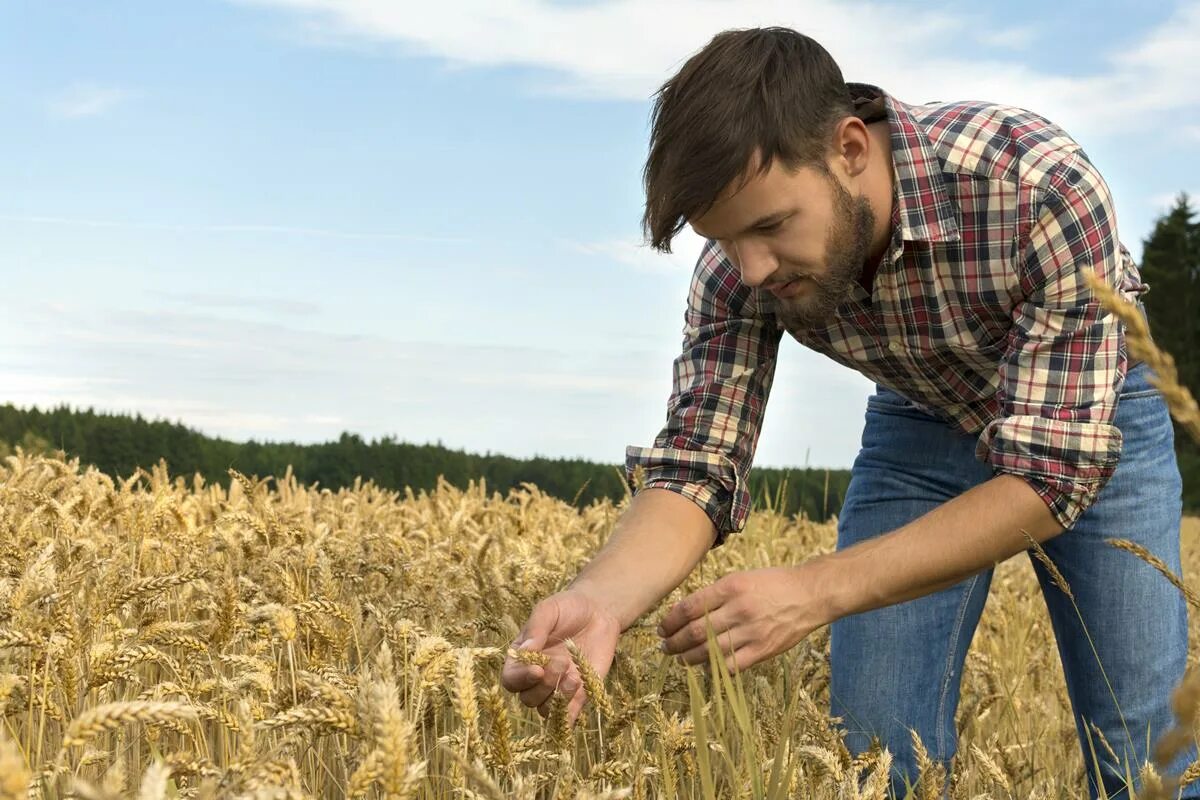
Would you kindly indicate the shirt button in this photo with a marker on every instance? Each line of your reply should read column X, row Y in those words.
column 894, row 346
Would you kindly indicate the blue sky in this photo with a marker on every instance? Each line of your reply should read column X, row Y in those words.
column 287, row 218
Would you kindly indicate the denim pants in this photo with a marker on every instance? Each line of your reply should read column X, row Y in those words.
column 900, row 667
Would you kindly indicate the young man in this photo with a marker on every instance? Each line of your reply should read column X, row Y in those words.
column 938, row 250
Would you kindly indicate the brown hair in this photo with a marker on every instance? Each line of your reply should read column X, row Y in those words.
column 774, row 90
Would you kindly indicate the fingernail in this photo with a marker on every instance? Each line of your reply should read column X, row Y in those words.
column 663, row 645
column 661, row 630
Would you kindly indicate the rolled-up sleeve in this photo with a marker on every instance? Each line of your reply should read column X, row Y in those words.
column 721, row 381
column 1065, row 359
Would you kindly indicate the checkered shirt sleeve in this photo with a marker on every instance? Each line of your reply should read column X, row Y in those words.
column 1064, row 362
column 721, row 381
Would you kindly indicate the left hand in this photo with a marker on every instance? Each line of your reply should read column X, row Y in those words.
column 756, row 615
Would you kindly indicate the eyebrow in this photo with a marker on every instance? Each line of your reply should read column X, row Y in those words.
column 758, row 223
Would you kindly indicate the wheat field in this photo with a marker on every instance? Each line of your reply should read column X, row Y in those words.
column 160, row 637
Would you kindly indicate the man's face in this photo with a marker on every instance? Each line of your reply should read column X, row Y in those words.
column 800, row 235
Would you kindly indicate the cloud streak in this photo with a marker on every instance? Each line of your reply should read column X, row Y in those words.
column 235, row 228
column 271, row 305
column 85, row 100
column 685, row 250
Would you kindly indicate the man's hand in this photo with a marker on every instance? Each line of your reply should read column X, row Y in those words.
column 569, row 614
column 756, row 614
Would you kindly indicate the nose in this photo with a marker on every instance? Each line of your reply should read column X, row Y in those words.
column 755, row 260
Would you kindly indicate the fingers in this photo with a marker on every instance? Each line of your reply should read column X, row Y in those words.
column 533, row 683
column 518, row 677
column 728, row 642
column 536, row 684
column 539, row 697
column 693, row 607
column 576, row 705
column 542, row 621
column 740, row 660
column 693, row 634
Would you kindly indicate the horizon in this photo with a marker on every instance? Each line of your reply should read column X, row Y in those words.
column 385, row 438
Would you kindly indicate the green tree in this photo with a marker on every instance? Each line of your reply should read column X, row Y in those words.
column 1171, row 267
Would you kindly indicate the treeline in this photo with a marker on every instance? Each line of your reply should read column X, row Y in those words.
column 1171, row 267
column 117, row 444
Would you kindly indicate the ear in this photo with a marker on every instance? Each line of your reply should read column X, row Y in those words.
column 851, row 146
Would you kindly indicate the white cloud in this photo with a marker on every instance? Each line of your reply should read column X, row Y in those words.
column 85, row 100
column 1163, row 203
column 19, row 386
column 234, row 228
column 261, row 303
column 625, row 49
column 685, row 249
column 331, row 420
column 1011, row 38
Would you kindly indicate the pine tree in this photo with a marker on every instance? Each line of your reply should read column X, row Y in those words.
column 1171, row 266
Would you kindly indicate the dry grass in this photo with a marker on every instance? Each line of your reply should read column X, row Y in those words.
column 286, row 641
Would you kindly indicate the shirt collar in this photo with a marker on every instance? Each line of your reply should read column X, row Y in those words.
column 924, row 209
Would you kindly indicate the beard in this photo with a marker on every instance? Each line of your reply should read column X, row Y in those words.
column 846, row 247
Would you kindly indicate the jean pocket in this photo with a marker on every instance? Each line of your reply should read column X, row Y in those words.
column 1137, row 394
column 888, row 402
column 1137, row 383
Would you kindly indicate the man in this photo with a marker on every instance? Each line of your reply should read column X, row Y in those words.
column 938, row 250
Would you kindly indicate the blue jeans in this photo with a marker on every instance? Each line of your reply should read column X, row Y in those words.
column 900, row 667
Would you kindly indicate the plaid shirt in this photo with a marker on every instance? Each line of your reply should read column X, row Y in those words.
column 977, row 314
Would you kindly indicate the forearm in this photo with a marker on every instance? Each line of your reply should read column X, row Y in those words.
column 655, row 544
column 954, row 541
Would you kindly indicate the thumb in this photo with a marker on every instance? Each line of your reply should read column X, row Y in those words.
column 541, row 623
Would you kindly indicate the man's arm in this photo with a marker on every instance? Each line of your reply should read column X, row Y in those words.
column 776, row 607
column 655, row 544
column 974, row 531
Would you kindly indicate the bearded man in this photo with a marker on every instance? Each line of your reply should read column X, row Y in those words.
column 940, row 250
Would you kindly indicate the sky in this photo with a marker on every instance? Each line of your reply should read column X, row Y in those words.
column 284, row 219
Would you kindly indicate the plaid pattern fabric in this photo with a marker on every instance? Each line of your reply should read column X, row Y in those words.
column 978, row 314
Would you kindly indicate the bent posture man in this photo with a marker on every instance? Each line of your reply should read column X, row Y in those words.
column 938, row 250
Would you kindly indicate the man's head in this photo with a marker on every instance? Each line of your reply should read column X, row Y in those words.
column 754, row 143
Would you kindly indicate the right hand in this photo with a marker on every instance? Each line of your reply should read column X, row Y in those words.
column 569, row 614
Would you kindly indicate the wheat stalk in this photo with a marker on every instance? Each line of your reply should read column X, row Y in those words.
column 1137, row 337
column 591, row 680
column 111, row 716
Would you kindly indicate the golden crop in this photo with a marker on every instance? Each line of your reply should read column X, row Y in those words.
column 176, row 639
